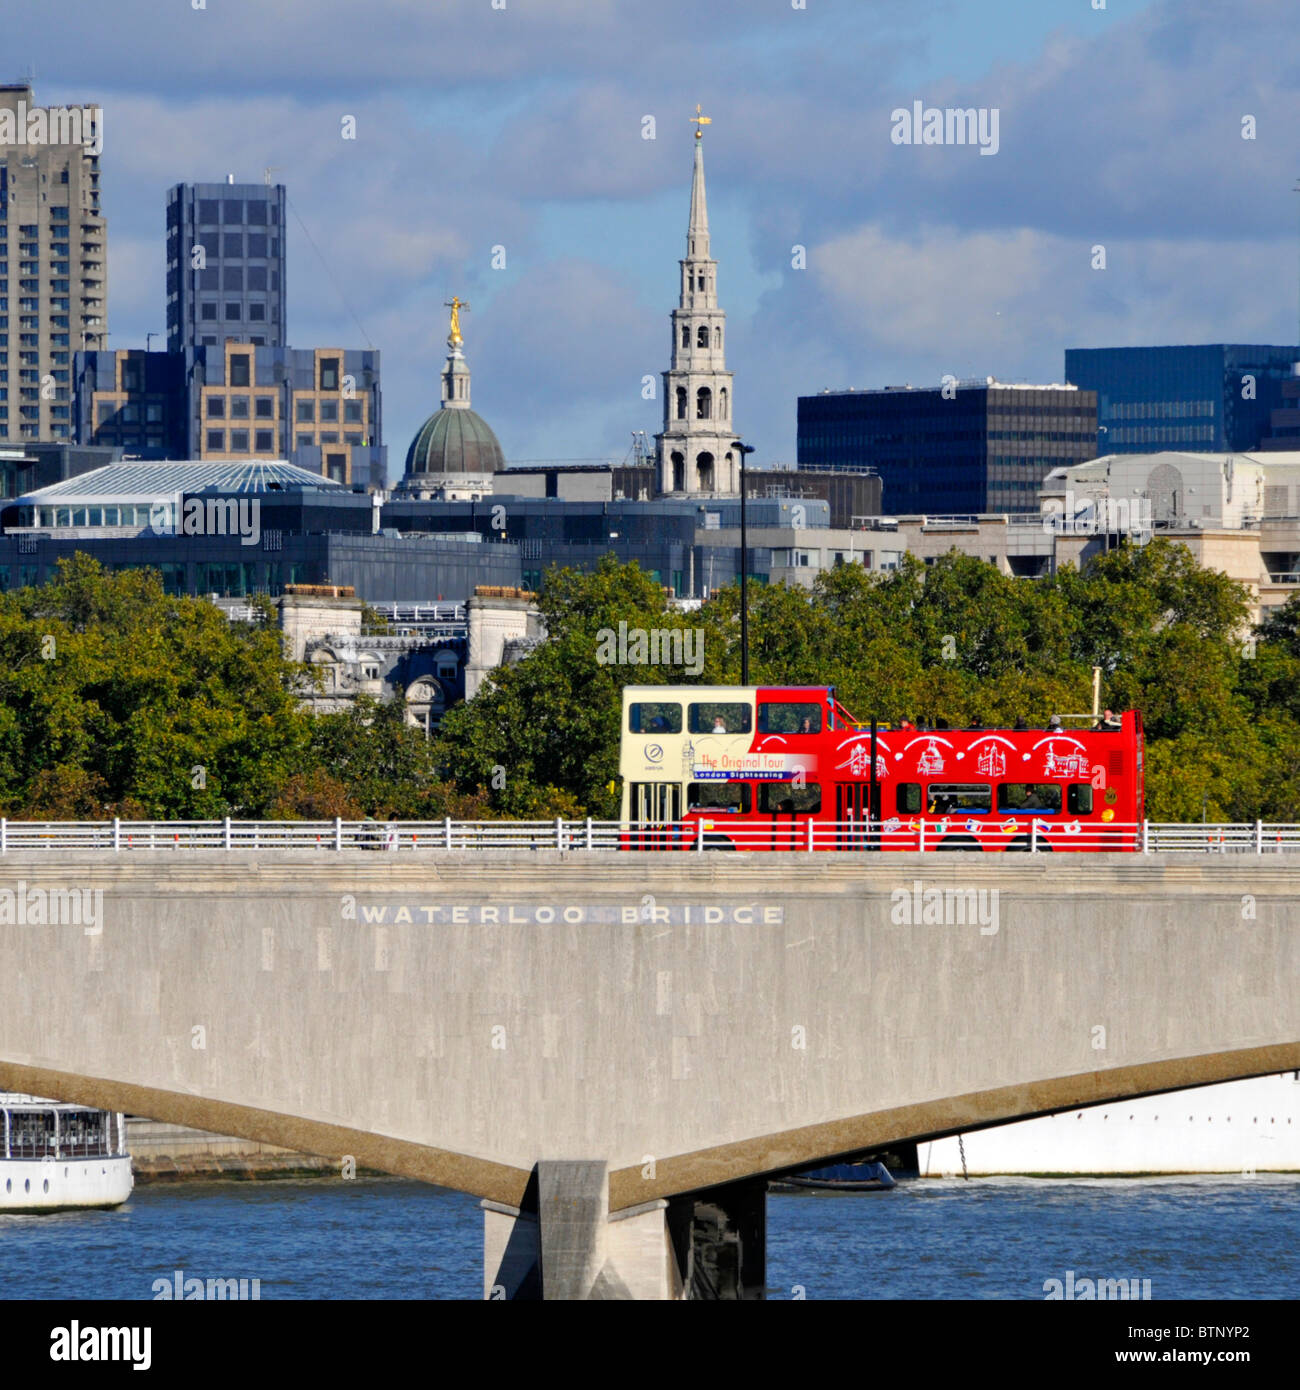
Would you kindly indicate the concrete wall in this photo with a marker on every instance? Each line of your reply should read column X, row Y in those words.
column 688, row 1019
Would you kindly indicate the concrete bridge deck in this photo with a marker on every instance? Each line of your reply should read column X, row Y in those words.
column 650, row 1028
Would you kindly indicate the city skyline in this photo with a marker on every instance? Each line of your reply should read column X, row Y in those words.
column 919, row 260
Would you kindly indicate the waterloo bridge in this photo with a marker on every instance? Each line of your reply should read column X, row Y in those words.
column 615, row 1052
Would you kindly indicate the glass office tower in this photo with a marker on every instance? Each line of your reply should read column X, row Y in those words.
column 1203, row 399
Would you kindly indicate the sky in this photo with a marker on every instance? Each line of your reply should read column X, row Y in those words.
column 522, row 124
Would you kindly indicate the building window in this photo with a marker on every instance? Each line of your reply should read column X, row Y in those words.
column 208, row 313
column 329, row 411
column 232, row 313
column 232, row 279
column 209, row 210
column 216, row 407
column 265, row 441
column 257, row 313
column 217, row 440
column 336, row 467
column 702, row 336
column 329, row 374
column 265, row 407
column 686, row 336
column 239, row 407
column 306, row 412
column 256, row 277
column 703, row 403
column 352, row 412
column 305, row 441
column 238, row 441
column 681, row 402
column 239, row 368
column 232, row 245
column 257, row 243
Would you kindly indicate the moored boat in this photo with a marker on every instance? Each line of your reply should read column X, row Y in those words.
column 58, row 1156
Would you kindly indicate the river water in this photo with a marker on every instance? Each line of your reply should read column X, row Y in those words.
column 991, row 1238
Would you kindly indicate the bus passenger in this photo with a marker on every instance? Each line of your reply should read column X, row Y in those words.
column 906, row 724
column 1107, row 722
column 1054, row 725
column 1022, row 724
column 719, row 724
column 806, row 727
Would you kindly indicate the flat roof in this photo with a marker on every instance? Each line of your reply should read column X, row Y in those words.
column 146, row 479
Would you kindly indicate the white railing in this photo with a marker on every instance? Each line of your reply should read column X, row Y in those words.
column 1017, row 832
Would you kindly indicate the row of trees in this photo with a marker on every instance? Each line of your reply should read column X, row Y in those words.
column 955, row 640
column 117, row 699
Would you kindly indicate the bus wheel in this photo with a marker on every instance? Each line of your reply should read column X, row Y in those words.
column 717, row 842
column 1022, row 844
column 966, row 843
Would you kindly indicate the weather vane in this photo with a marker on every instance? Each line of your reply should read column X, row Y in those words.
column 700, row 122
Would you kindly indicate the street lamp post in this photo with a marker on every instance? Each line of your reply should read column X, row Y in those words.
column 744, row 450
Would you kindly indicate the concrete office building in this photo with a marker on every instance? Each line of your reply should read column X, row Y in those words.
column 1208, row 398
column 318, row 408
column 53, row 260
column 974, row 446
column 226, row 265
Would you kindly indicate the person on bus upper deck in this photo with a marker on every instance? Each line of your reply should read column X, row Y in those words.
column 1108, row 722
column 806, row 727
column 1054, row 724
column 1022, row 724
column 976, row 725
column 719, row 724
column 906, row 724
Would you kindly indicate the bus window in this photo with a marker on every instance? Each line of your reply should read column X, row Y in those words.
column 718, row 796
column 1029, row 796
column 909, row 798
column 959, row 798
column 654, row 719
column 790, row 719
column 781, row 798
column 715, row 718
column 1078, row 797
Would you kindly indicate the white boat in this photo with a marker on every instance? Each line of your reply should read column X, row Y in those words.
column 1234, row 1127
column 58, row 1156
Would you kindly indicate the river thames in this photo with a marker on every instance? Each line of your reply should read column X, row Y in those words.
column 992, row 1238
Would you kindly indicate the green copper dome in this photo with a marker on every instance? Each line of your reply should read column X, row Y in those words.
column 454, row 440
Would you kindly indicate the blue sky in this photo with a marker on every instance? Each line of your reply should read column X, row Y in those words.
column 521, row 127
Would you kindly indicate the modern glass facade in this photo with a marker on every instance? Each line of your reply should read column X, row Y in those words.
column 981, row 448
column 1202, row 399
column 226, row 264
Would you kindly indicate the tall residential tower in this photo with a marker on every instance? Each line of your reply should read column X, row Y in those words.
column 53, row 261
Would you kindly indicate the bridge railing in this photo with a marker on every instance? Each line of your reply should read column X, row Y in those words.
column 1021, row 832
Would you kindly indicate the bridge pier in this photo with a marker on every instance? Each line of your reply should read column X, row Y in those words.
column 564, row 1243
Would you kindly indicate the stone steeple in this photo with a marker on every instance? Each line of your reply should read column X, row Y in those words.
column 694, row 450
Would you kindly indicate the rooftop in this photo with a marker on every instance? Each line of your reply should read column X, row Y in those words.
column 146, row 480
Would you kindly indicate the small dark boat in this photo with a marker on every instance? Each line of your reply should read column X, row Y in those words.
column 840, row 1177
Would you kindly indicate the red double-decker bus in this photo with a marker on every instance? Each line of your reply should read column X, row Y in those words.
column 787, row 767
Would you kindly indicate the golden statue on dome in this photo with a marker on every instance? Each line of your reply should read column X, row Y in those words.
column 456, row 304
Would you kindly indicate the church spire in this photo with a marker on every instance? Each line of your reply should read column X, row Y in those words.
column 696, row 446
column 697, row 234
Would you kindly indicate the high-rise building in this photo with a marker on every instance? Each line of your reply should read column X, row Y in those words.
column 695, row 452
column 966, row 448
column 226, row 265
column 53, row 260
column 1215, row 398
